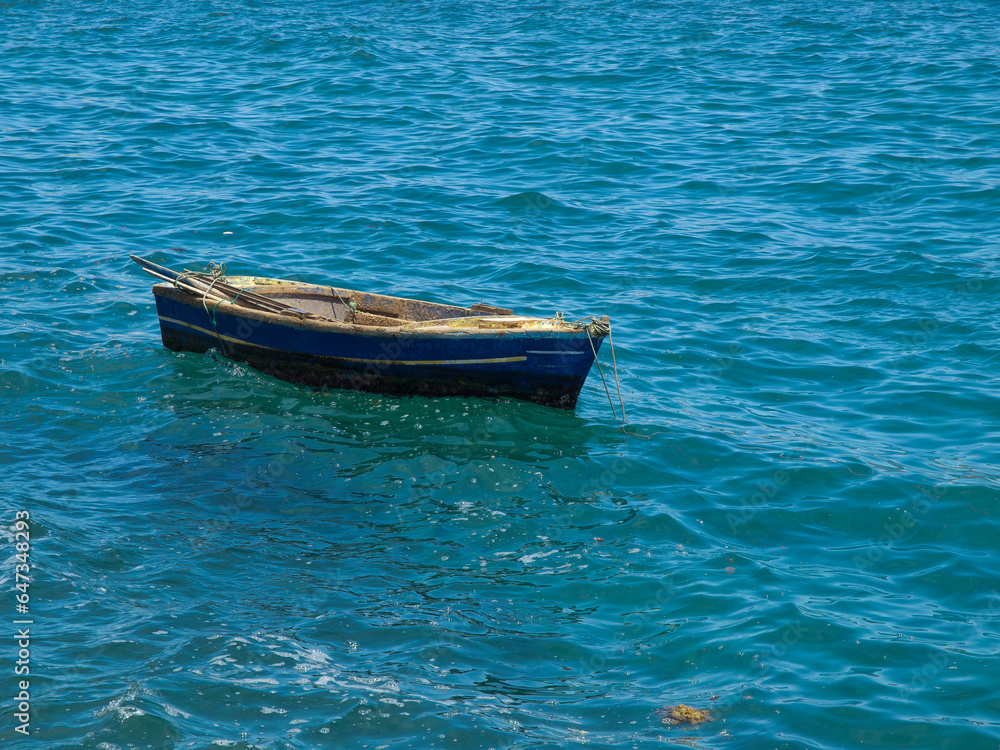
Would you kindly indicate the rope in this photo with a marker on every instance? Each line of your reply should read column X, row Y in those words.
column 600, row 370
column 218, row 273
column 349, row 305
column 184, row 275
column 212, row 315
column 602, row 327
column 216, row 307
column 611, row 340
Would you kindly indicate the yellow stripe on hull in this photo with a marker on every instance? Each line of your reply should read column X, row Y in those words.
column 241, row 342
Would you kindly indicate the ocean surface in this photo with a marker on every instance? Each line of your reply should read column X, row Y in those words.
column 791, row 212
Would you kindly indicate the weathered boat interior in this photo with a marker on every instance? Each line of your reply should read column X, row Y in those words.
column 361, row 308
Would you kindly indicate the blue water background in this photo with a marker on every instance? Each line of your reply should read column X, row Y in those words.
column 790, row 210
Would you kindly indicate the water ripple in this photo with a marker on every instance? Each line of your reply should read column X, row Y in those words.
column 789, row 212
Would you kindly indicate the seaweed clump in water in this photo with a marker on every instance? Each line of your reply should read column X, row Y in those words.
column 682, row 714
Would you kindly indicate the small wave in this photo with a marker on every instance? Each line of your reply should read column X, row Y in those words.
column 529, row 201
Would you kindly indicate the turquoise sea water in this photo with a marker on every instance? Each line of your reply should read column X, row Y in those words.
column 791, row 212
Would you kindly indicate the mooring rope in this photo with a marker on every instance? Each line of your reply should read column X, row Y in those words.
column 601, row 370
column 602, row 327
column 217, row 271
column 611, row 340
column 221, row 300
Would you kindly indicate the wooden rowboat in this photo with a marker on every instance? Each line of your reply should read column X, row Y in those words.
column 334, row 337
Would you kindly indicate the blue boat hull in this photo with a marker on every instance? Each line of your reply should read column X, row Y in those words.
column 547, row 367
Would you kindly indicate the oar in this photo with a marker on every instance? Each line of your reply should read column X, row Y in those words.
column 200, row 282
column 204, row 284
column 190, row 285
column 194, row 286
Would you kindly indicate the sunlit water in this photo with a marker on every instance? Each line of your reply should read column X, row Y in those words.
column 789, row 210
